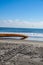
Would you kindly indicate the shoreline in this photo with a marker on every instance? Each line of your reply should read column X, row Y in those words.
column 40, row 43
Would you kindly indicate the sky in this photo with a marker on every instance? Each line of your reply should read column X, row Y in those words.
column 21, row 13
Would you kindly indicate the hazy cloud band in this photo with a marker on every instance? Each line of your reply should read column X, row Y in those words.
column 20, row 24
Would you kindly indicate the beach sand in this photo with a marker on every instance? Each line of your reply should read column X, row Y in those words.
column 21, row 52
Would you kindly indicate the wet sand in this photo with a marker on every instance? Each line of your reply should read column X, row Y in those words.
column 21, row 52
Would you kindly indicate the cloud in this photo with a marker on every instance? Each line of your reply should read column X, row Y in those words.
column 20, row 24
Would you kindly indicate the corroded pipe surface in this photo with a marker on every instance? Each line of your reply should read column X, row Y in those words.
column 14, row 35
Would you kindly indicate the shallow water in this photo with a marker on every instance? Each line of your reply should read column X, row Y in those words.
column 32, row 33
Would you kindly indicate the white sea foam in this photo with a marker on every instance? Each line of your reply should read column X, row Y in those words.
column 31, row 36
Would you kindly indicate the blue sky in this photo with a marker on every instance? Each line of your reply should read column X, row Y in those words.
column 26, row 10
column 21, row 9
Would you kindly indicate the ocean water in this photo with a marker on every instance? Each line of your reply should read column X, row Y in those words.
column 23, row 30
column 32, row 33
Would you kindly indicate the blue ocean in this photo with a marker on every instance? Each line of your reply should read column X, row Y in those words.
column 23, row 30
column 33, row 33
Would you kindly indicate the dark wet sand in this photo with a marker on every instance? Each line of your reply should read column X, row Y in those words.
column 21, row 52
